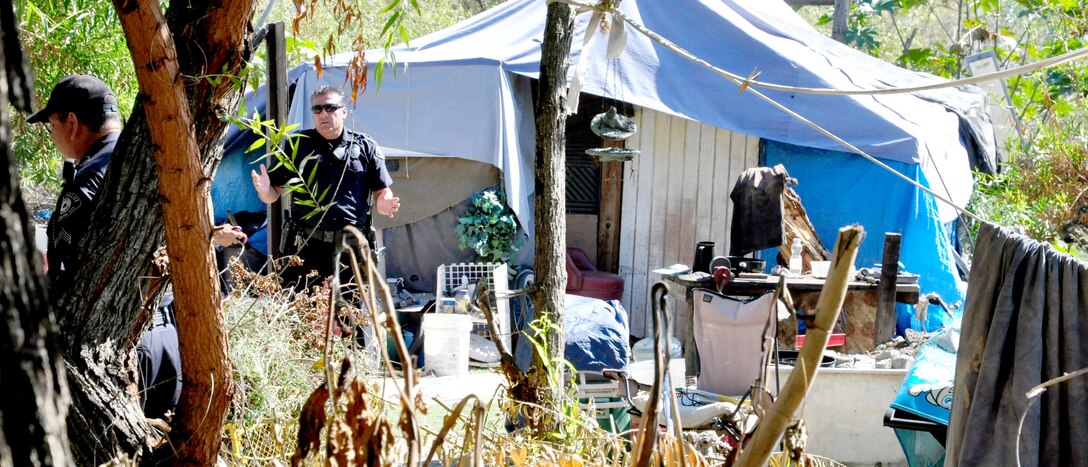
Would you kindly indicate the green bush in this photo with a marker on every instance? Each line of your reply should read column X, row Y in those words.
column 1041, row 188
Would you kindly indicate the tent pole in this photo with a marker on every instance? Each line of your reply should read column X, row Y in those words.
column 277, row 108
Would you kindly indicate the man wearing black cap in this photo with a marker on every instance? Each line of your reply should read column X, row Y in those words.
column 84, row 123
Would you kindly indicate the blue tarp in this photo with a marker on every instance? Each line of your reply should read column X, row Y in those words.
column 840, row 189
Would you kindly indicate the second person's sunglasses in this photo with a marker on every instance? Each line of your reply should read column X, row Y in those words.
column 318, row 108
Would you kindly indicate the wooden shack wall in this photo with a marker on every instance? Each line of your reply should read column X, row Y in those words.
column 675, row 193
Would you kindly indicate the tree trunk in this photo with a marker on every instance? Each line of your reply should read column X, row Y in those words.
column 840, row 20
column 186, row 211
column 550, row 218
column 104, row 314
column 36, row 395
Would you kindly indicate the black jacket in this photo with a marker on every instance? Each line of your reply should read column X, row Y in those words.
column 74, row 206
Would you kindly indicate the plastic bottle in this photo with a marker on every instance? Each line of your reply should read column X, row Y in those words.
column 795, row 256
column 460, row 301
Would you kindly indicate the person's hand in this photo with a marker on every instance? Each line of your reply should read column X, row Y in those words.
column 262, row 184
column 228, row 235
column 387, row 204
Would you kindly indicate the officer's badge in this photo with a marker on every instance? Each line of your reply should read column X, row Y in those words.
column 68, row 204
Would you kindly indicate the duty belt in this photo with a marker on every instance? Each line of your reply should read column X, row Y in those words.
column 326, row 236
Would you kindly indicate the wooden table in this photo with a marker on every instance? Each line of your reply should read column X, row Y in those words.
column 860, row 307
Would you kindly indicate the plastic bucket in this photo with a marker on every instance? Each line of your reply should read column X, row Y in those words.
column 445, row 343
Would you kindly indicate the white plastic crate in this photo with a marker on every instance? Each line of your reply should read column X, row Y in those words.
column 452, row 276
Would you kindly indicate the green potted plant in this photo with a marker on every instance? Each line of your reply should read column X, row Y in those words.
column 489, row 227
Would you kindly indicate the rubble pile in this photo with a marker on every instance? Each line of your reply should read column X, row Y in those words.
column 708, row 443
column 897, row 353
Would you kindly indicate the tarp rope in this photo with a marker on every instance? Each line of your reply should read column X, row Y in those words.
column 745, row 84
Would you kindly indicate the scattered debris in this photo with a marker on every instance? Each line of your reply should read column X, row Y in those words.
column 708, row 443
column 897, row 353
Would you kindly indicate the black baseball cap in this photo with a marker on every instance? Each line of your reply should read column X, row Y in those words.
column 83, row 95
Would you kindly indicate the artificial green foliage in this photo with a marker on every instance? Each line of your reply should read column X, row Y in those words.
column 489, row 227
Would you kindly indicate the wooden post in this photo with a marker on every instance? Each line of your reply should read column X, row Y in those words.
column 608, row 214
column 277, row 108
column 840, row 20
column 885, row 309
column 793, row 393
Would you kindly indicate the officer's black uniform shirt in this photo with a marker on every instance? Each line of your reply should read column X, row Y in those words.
column 355, row 158
column 73, row 212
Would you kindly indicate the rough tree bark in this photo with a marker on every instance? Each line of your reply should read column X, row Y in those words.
column 550, row 202
column 186, row 210
column 103, row 316
column 36, row 394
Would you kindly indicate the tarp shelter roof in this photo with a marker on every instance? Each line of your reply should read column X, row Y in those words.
column 454, row 92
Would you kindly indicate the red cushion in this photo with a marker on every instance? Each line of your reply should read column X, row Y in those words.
column 602, row 285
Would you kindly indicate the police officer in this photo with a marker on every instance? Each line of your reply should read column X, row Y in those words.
column 84, row 123
column 349, row 168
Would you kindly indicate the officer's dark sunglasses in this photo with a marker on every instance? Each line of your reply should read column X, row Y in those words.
column 318, row 108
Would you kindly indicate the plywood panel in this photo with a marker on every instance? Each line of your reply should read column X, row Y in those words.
column 659, row 209
column 704, row 196
column 643, row 207
column 738, row 157
column 719, row 228
column 675, row 193
column 690, row 183
column 628, row 222
column 751, row 151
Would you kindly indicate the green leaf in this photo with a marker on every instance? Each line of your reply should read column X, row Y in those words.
column 389, row 6
column 379, row 71
column 403, row 33
column 256, row 144
column 389, row 23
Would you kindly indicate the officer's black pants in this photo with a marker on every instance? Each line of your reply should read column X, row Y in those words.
column 318, row 256
column 160, row 370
